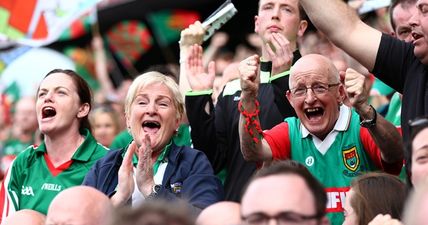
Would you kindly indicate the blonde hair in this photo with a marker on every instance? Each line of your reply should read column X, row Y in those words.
column 153, row 77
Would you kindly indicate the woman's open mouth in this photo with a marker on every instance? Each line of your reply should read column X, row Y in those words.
column 151, row 126
column 48, row 112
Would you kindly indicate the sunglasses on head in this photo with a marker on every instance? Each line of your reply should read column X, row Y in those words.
column 418, row 122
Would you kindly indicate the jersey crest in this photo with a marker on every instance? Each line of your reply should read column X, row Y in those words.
column 351, row 158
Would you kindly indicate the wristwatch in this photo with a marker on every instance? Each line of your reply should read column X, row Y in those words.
column 156, row 188
column 367, row 123
column 155, row 191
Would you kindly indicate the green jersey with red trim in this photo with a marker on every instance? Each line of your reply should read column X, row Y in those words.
column 344, row 160
column 32, row 181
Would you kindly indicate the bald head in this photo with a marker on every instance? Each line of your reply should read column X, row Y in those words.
column 221, row 213
column 314, row 63
column 25, row 216
column 80, row 205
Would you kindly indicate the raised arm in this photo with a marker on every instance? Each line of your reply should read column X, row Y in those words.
column 199, row 105
column 342, row 26
column 194, row 34
column 253, row 146
column 198, row 78
column 101, row 71
column 385, row 134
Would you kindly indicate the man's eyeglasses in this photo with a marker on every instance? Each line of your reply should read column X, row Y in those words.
column 282, row 218
column 318, row 89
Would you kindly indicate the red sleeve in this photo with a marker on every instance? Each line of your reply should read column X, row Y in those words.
column 278, row 139
column 374, row 153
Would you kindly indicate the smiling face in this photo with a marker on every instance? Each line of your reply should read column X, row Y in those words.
column 153, row 112
column 279, row 16
column 58, row 105
column 317, row 112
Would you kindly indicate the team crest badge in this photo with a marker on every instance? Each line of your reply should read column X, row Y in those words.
column 351, row 158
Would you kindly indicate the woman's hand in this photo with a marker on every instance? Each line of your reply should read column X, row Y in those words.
column 144, row 172
column 125, row 186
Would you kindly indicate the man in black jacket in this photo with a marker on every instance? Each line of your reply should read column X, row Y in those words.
column 215, row 131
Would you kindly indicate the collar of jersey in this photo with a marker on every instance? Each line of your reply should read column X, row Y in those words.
column 85, row 150
column 342, row 122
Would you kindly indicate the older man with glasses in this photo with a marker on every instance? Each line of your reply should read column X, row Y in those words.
column 335, row 142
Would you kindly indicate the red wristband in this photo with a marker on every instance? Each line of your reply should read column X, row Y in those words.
column 251, row 121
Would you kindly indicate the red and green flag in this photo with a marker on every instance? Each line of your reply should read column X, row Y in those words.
column 167, row 24
column 129, row 40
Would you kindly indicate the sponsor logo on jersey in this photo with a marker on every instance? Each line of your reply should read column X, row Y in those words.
column 27, row 190
column 336, row 199
column 51, row 187
column 351, row 158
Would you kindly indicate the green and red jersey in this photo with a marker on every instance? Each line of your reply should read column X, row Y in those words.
column 32, row 181
column 345, row 153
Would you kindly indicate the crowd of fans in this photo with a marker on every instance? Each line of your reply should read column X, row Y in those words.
column 310, row 125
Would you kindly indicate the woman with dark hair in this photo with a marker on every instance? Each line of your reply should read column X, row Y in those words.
column 372, row 194
column 417, row 153
column 67, row 152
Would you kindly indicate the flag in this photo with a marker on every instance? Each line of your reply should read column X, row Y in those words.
column 167, row 24
column 12, row 92
column 77, row 29
column 81, row 26
column 85, row 65
column 129, row 40
column 7, row 56
column 39, row 22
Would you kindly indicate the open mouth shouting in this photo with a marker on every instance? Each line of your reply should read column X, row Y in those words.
column 48, row 112
column 151, row 126
column 415, row 36
column 314, row 114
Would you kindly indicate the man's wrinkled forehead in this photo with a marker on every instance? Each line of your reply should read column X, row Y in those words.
column 308, row 65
